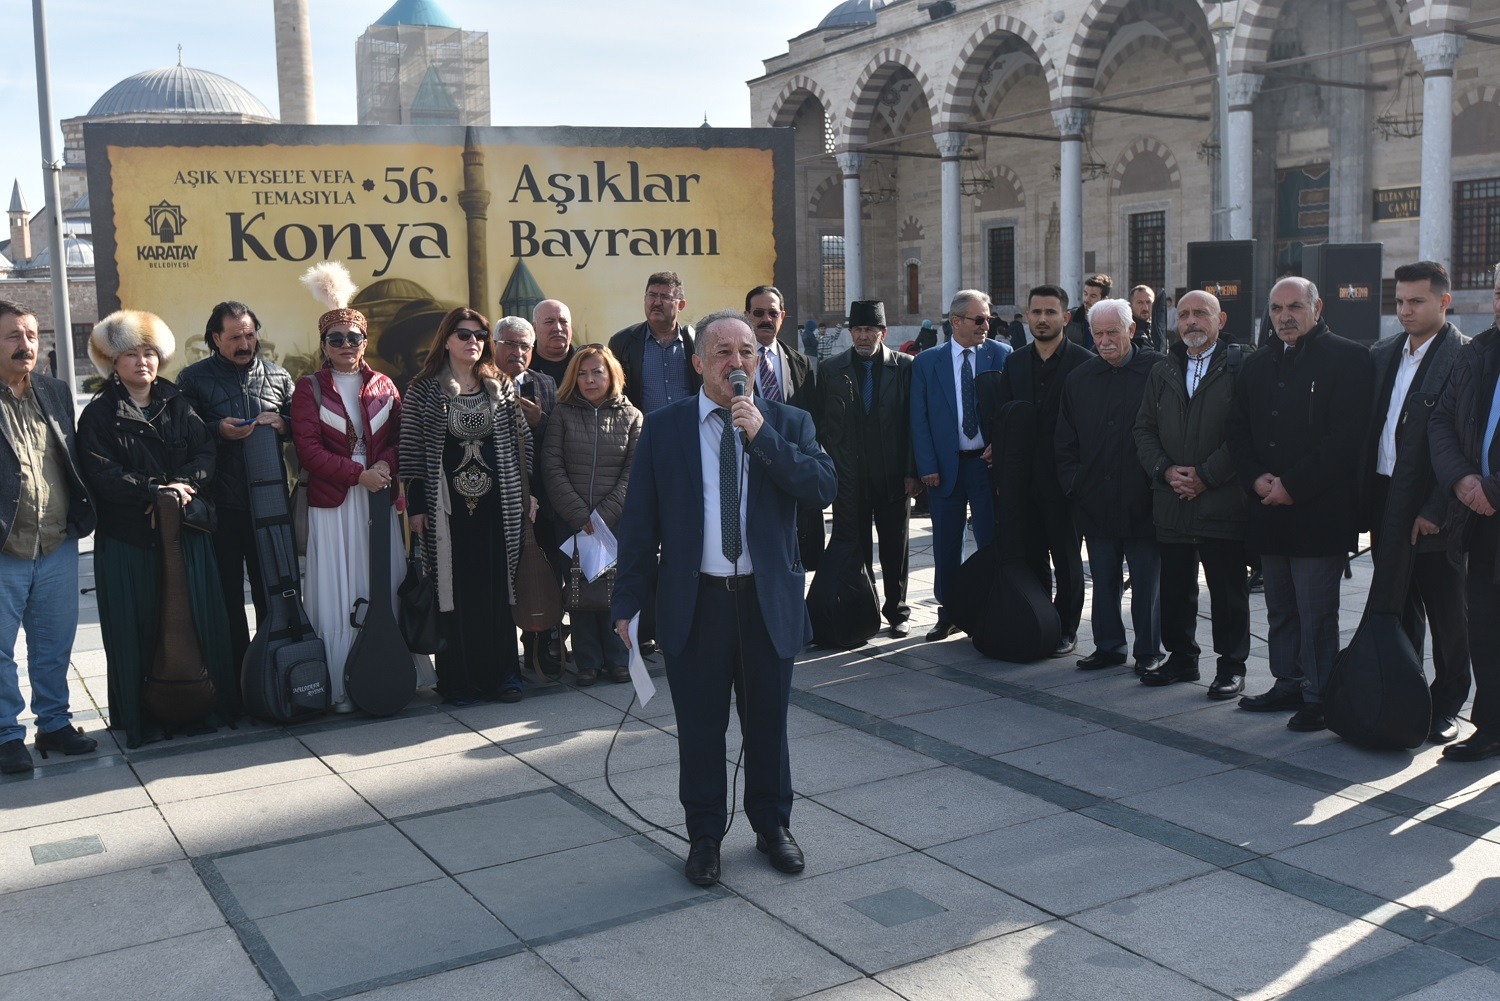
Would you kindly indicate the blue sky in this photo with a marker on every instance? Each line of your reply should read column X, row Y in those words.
column 563, row 62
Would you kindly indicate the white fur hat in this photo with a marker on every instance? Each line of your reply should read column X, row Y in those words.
column 121, row 331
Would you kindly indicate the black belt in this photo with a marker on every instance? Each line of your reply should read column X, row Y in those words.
column 741, row 582
column 971, row 453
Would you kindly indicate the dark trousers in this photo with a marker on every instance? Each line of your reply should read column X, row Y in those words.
column 1302, row 614
column 1223, row 562
column 854, row 510
column 730, row 649
column 1053, row 549
column 1106, row 557
column 234, row 549
column 1484, row 626
column 972, row 491
column 810, row 536
column 1436, row 593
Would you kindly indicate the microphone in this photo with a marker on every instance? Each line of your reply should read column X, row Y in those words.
column 739, row 382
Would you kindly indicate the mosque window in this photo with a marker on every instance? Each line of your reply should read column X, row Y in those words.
column 1476, row 232
column 1002, row 264
column 832, row 253
column 1148, row 249
column 913, row 287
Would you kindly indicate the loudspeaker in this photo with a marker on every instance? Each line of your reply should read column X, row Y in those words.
column 1348, row 278
column 1226, row 268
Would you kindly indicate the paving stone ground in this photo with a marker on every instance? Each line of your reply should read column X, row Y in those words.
column 973, row 829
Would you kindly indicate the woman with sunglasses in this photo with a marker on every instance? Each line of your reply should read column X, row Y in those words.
column 461, row 448
column 346, row 421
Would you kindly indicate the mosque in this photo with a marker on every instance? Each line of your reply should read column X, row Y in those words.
column 947, row 144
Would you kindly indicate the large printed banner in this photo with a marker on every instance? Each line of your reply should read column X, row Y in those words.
column 428, row 218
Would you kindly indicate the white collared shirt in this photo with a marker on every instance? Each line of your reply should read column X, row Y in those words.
column 710, row 430
column 1407, row 364
column 772, row 353
column 1197, row 368
column 965, row 444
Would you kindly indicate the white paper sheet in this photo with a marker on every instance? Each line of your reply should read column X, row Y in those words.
column 597, row 552
column 644, row 686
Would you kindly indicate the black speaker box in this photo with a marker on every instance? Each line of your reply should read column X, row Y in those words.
column 1348, row 278
column 1226, row 268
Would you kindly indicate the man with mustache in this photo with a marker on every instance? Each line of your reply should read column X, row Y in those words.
column 234, row 390
column 783, row 374
column 864, row 421
column 44, row 511
column 655, row 353
column 553, row 323
column 1181, row 438
column 1295, row 436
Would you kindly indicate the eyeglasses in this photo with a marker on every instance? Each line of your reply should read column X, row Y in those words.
column 465, row 334
column 770, row 314
column 662, row 296
column 978, row 321
column 522, row 346
column 340, row 340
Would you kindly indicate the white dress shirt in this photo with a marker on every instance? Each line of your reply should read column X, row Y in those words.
column 965, row 444
column 1197, row 368
column 710, row 430
column 772, row 353
column 1407, row 364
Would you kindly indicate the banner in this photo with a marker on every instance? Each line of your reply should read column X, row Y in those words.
column 429, row 218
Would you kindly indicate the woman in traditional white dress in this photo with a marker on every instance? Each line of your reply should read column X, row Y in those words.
column 346, row 425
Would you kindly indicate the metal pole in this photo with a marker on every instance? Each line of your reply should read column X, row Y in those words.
column 62, row 319
column 1224, row 29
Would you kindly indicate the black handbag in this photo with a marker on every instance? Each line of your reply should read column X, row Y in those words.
column 584, row 595
column 417, row 608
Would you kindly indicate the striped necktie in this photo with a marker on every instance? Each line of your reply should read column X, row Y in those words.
column 769, row 387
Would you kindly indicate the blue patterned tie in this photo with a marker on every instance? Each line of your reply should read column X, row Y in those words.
column 971, row 408
column 869, row 391
column 770, row 388
column 729, row 490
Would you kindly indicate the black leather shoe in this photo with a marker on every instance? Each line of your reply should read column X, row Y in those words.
column 648, row 647
column 1226, row 686
column 1099, row 660
column 68, row 740
column 1275, row 700
column 702, row 867
column 941, row 631
column 1065, row 646
column 781, row 848
column 14, row 758
column 1308, row 719
column 1479, row 746
column 1444, row 730
column 1144, row 664
column 901, row 629
column 1170, row 671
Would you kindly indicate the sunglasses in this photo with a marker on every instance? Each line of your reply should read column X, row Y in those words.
column 760, row 314
column 465, row 334
column 340, row 340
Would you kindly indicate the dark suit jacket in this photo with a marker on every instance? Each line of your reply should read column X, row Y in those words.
column 843, row 423
column 1014, row 383
column 935, row 410
column 664, row 515
column 629, row 346
column 798, row 388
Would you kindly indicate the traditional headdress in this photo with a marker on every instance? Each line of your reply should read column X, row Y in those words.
column 330, row 284
column 125, row 330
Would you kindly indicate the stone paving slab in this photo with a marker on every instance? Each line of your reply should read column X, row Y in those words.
column 207, row 771
column 401, row 739
column 579, row 755
column 270, row 813
column 838, row 759
column 46, row 798
column 1470, row 985
column 126, row 840
column 523, row 975
column 998, row 725
column 490, row 834
column 192, row 967
column 415, row 786
column 1112, row 764
column 895, row 695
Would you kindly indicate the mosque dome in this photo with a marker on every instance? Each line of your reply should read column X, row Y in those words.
column 423, row 12
column 79, row 252
column 852, row 14
column 179, row 90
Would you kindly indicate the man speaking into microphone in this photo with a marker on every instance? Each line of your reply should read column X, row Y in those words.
column 728, row 584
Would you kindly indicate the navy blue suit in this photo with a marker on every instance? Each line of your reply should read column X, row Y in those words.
column 714, row 639
column 965, row 481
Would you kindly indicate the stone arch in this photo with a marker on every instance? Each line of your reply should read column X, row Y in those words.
column 1476, row 122
column 1155, row 157
column 855, row 125
column 1117, row 58
column 785, row 108
column 1103, row 18
column 911, row 230
column 1007, row 194
column 975, row 55
column 1251, row 44
column 827, row 199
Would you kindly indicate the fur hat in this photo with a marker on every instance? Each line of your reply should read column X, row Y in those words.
column 124, row 330
column 867, row 313
column 330, row 284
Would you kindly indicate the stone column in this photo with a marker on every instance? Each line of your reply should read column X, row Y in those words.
column 950, row 145
column 294, row 64
column 854, row 248
column 1239, row 153
column 1071, row 122
column 1438, row 54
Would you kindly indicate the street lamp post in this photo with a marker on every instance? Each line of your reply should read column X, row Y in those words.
column 1223, row 30
column 62, row 320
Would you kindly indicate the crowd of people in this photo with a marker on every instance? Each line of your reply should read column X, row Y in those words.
column 1163, row 451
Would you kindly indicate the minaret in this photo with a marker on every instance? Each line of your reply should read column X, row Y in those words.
column 294, row 72
column 20, row 232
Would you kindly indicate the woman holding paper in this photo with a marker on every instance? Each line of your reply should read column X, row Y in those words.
column 586, row 455
column 462, row 445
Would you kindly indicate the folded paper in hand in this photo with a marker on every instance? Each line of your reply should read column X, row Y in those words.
column 597, row 552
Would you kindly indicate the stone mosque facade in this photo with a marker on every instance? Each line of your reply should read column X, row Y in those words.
column 947, row 144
